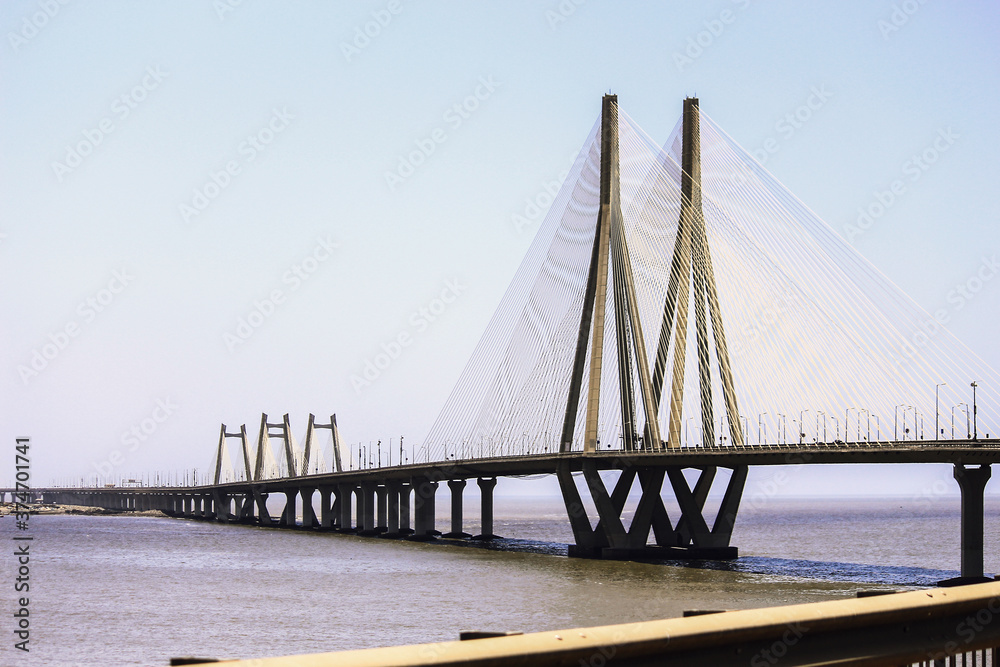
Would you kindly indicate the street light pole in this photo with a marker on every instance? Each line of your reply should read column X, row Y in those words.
column 937, row 429
column 975, row 412
column 760, row 425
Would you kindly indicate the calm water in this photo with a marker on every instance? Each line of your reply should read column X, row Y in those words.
column 138, row 590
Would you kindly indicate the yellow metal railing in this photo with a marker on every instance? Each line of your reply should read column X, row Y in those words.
column 926, row 627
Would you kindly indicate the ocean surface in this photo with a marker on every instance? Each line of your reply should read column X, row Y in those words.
column 137, row 590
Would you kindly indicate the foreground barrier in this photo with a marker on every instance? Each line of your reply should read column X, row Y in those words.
column 953, row 626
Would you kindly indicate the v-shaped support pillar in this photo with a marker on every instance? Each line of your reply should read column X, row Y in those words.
column 690, row 537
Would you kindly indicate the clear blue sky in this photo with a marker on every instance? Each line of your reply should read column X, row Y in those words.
column 309, row 118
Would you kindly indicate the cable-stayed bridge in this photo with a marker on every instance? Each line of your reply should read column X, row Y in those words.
column 679, row 309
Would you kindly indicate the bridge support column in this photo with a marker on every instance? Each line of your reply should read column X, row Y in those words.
column 223, row 502
column 690, row 539
column 212, row 509
column 260, row 498
column 326, row 510
column 457, row 487
column 345, row 492
column 972, row 482
column 335, row 508
column 486, row 486
column 244, row 507
column 381, row 494
column 423, row 509
column 392, row 510
column 288, row 515
column 404, row 508
column 308, row 512
column 366, row 509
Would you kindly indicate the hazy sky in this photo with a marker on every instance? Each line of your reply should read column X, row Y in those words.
column 210, row 210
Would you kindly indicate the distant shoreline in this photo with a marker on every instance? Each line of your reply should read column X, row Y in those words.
column 52, row 508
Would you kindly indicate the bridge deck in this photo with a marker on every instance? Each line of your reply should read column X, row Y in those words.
column 969, row 453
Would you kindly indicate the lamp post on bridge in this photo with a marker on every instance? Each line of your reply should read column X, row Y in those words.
column 847, row 422
column 975, row 412
column 836, row 426
column 937, row 429
column 895, row 422
column 783, row 428
column 760, row 423
column 868, row 419
column 802, row 425
column 968, row 428
column 824, row 425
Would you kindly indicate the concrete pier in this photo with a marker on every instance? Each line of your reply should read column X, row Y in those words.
column 346, row 494
column 972, row 482
column 457, row 487
column 288, row 515
column 486, row 486
column 405, row 488
column 381, row 493
column 326, row 508
column 366, row 509
column 392, row 509
column 424, row 491
column 309, row 519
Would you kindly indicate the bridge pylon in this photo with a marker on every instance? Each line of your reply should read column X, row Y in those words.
column 692, row 280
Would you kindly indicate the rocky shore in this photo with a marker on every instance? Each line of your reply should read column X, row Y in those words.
column 52, row 508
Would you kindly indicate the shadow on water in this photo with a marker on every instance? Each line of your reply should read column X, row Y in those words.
column 891, row 575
